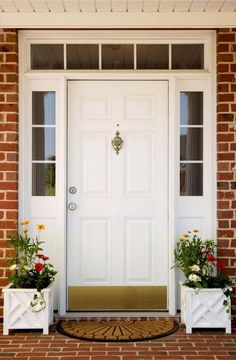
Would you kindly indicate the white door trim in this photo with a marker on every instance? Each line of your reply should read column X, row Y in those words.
column 58, row 79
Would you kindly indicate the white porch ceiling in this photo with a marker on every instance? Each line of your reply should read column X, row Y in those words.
column 117, row 13
column 137, row 6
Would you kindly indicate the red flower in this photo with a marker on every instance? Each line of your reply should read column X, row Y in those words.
column 40, row 256
column 211, row 258
column 220, row 266
column 38, row 267
column 44, row 258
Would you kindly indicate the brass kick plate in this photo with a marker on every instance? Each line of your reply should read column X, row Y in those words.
column 81, row 298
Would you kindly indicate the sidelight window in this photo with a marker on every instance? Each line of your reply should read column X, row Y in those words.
column 191, row 143
column 43, row 143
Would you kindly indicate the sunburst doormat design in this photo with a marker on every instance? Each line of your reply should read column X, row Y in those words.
column 117, row 330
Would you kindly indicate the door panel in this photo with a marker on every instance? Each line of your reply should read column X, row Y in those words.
column 96, row 165
column 96, row 242
column 140, row 165
column 117, row 232
column 140, row 235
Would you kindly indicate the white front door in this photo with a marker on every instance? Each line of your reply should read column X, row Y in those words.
column 117, row 203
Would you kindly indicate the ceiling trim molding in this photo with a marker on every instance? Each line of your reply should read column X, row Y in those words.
column 116, row 20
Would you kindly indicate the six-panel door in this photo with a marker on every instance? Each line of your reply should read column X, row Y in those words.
column 117, row 203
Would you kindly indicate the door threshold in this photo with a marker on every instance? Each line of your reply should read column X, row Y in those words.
column 115, row 314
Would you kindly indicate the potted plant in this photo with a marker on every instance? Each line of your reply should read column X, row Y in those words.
column 28, row 299
column 206, row 293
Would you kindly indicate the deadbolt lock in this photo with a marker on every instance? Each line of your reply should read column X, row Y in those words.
column 72, row 190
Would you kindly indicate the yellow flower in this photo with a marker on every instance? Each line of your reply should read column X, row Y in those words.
column 40, row 227
column 182, row 239
column 25, row 222
column 186, row 235
column 195, row 231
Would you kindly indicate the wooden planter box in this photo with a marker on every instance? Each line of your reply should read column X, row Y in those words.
column 204, row 309
column 18, row 313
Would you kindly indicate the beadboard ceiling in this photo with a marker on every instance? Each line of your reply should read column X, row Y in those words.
column 207, row 13
column 118, row 6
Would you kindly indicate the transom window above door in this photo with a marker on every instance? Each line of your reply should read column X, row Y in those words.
column 117, row 56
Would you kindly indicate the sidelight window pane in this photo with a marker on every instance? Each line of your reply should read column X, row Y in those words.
column 43, row 108
column 191, row 108
column 188, row 56
column 43, row 179
column 43, row 143
column 117, row 56
column 191, row 179
column 47, row 56
column 82, row 56
column 152, row 56
column 191, row 143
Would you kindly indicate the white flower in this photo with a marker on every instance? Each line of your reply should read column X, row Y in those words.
column 13, row 267
column 228, row 288
column 195, row 268
column 26, row 268
column 194, row 278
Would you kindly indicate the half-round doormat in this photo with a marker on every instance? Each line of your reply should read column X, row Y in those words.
column 117, row 330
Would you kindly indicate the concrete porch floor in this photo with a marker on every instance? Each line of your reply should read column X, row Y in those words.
column 202, row 344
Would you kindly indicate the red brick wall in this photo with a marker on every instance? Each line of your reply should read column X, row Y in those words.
column 226, row 147
column 8, row 146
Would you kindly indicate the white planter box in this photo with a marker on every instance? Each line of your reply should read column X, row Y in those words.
column 18, row 313
column 204, row 309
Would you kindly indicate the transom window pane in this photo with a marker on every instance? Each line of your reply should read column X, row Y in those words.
column 188, row 56
column 152, row 56
column 117, row 56
column 82, row 56
column 191, row 108
column 43, row 108
column 47, row 56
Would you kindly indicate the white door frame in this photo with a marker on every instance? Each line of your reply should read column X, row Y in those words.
column 172, row 290
column 58, row 80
